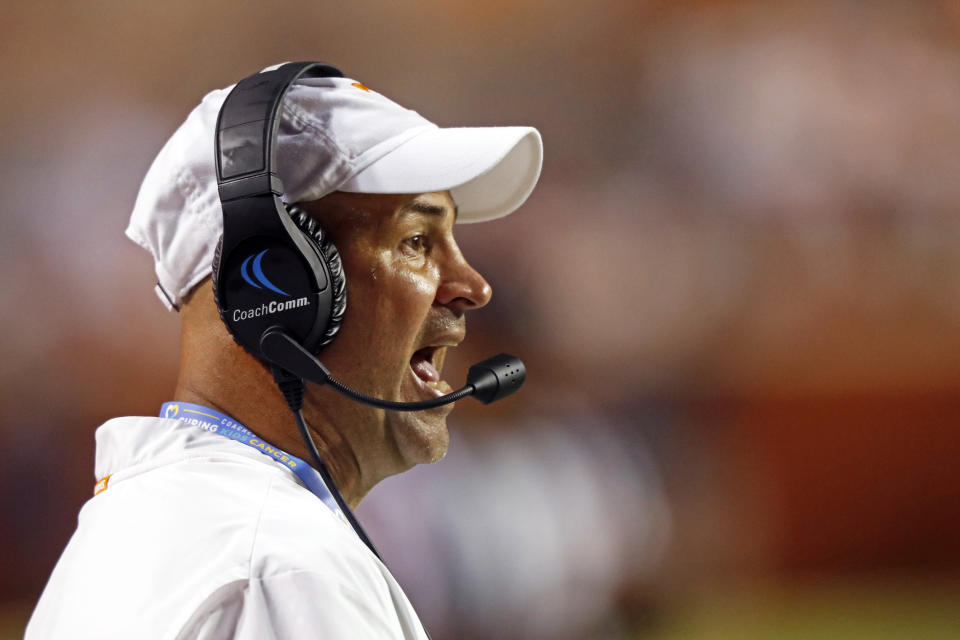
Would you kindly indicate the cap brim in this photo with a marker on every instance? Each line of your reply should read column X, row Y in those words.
column 490, row 171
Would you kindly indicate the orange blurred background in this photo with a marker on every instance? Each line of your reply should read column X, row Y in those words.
column 736, row 289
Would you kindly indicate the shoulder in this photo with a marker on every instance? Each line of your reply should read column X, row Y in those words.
column 296, row 531
column 228, row 536
column 299, row 604
column 308, row 576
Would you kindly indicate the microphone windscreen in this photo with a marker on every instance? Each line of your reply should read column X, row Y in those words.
column 496, row 377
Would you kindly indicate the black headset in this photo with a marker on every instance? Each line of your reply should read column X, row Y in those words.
column 274, row 265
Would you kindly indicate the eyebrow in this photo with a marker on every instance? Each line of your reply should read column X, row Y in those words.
column 418, row 206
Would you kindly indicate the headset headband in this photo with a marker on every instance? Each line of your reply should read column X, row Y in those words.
column 247, row 130
column 246, row 155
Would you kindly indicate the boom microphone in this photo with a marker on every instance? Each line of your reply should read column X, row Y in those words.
column 487, row 381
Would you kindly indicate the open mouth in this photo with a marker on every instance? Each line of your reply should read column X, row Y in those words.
column 426, row 364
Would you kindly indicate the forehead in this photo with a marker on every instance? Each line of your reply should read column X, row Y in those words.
column 375, row 210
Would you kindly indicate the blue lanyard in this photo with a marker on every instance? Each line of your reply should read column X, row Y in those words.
column 215, row 422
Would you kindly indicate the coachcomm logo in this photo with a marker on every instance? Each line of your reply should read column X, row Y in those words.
column 262, row 282
column 258, row 274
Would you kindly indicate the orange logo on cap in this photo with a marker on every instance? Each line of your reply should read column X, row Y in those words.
column 101, row 485
column 360, row 86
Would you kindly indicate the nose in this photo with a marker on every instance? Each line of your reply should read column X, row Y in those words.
column 462, row 287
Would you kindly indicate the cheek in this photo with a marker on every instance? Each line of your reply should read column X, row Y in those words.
column 420, row 288
column 402, row 286
column 390, row 302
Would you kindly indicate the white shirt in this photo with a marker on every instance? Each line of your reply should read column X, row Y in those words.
column 198, row 536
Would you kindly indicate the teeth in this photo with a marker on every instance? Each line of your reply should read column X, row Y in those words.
column 440, row 385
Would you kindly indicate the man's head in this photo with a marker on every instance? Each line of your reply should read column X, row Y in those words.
column 387, row 186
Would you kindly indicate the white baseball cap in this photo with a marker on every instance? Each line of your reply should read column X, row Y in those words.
column 335, row 135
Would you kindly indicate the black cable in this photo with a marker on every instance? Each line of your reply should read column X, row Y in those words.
column 401, row 406
column 292, row 388
column 328, row 480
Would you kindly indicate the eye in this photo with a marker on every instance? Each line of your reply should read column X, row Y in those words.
column 417, row 244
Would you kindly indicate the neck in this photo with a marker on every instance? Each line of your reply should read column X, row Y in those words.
column 276, row 425
column 216, row 372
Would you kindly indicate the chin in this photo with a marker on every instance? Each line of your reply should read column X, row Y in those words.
column 421, row 436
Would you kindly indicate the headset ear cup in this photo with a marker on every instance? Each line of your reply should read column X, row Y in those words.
column 331, row 258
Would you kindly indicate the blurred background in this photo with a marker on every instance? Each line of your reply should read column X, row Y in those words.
column 736, row 289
